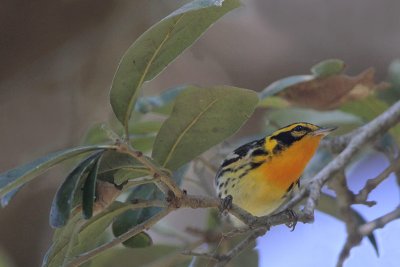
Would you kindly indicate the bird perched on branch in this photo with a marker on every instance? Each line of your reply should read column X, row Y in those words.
column 261, row 175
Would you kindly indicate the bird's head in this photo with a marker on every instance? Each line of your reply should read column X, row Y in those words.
column 296, row 133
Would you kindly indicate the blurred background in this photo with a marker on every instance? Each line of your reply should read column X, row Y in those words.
column 58, row 59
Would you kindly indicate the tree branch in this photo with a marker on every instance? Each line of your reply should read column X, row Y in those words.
column 371, row 184
column 380, row 222
column 345, row 199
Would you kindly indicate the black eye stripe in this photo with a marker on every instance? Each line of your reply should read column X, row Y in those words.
column 287, row 138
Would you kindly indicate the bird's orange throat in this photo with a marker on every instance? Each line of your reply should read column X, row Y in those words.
column 286, row 167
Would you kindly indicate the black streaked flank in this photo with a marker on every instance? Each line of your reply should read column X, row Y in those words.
column 222, row 171
column 259, row 152
column 229, row 161
column 254, row 165
column 243, row 174
column 290, row 188
column 244, row 149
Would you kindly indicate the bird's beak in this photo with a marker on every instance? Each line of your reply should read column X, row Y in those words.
column 323, row 131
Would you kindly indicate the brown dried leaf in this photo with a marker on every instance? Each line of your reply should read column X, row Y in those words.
column 331, row 92
column 106, row 193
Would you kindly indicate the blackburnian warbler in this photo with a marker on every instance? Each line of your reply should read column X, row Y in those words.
column 260, row 175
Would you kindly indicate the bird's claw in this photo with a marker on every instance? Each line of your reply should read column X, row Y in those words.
column 226, row 203
column 293, row 217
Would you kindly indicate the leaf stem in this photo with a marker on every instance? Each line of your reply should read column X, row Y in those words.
column 154, row 170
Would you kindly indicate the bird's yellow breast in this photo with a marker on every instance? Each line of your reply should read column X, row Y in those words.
column 264, row 188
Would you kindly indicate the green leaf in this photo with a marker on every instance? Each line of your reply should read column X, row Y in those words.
column 143, row 143
column 158, row 47
column 7, row 197
column 63, row 240
column 76, row 238
column 328, row 67
column 112, row 161
column 273, row 102
column 157, row 255
column 96, row 135
column 213, row 219
column 368, row 108
column 5, row 260
column 19, row 176
column 394, row 73
column 130, row 218
column 89, row 190
column 201, row 118
column 140, row 240
column 249, row 257
column 144, row 127
column 63, row 200
column 328, row 204
column 125, row 174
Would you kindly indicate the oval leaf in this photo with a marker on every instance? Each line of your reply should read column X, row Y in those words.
column 111, row 162
column 125, row 174
column 328, row 67
column 158, row 47
column 201, row 118
column 66, row 244
column 130, row 218
column 89, row 190
column 394, row 74
column 15, row 178
column 62, row 202
column 140, row 240
column 157, row 255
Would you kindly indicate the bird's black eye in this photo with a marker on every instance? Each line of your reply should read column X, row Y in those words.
column 298, row 128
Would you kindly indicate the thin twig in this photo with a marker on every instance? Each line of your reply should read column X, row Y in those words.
column 344, row 200
column 205, row 255
column 225, row 258
column 371, row 184
column 380, row 222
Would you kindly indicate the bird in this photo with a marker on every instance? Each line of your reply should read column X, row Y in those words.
column 261, row 175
